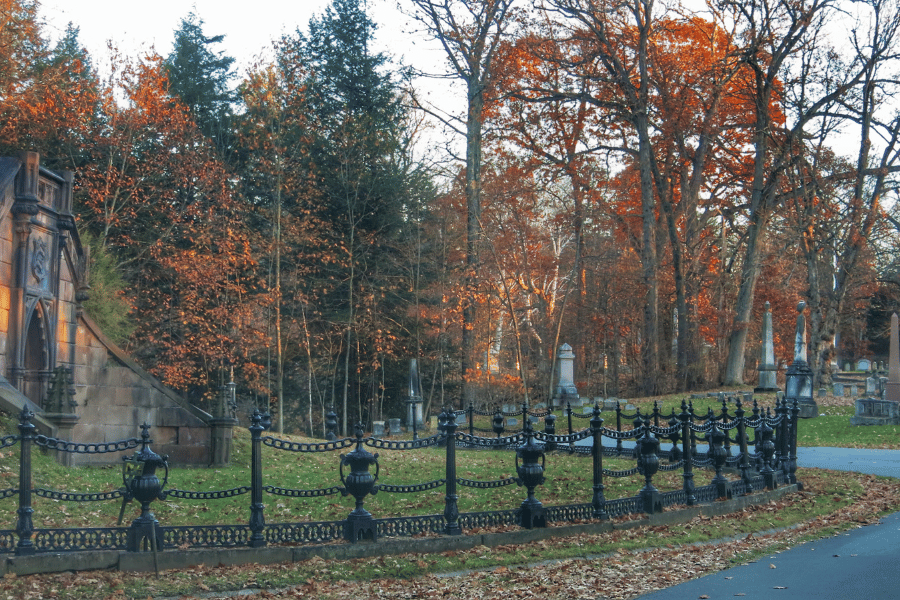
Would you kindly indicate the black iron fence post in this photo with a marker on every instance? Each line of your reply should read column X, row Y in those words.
column 781, row 437
column 792, row 458
column 599, row 500
column 359, row 484
column 498, row 424
column 648, row 460
column 24, row 523
column 618, row 428
column 145, row 487
column 451, row 506
column 767, row 446
column 675, row 451
column 756, row 436
column 744, row 464
column 257, row 518
column 718, row 456
column 550, row 429
column 693, row 416
column 687, row 455
column 331, row 425
column 530, row 474
column 472, row 418
column 725, row 418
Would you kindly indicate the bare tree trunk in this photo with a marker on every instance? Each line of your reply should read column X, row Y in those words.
column 470, row 33
column 279, row 357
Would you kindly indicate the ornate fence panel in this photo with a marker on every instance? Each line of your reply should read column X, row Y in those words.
column 761, row 446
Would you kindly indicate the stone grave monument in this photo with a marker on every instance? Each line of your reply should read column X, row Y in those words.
column 566, row 392
column 413, row 399
column 892, row 387
column 767, row 367
column 886, row 410
column 799, row 377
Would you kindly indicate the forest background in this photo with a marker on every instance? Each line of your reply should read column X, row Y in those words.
column 635, row 179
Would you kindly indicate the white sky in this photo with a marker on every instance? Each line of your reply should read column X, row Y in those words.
column 248, row 27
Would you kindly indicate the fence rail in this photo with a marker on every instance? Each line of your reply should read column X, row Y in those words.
column 760, row 446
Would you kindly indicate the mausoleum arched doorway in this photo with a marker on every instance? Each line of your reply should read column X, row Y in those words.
column 36, row 357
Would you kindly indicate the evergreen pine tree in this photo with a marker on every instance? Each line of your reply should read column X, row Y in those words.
column 200, row 76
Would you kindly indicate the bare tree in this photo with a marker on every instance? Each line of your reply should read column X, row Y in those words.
column 470, row 33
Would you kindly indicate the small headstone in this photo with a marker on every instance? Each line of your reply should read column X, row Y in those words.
column 512, row 422
column 540, row 406
column 871, row 386
column 863, row 364
column 394, row 426
column 377, row 428
column 587, row 410
column 630, row 407
column 853, row 391
column 839, row 390
column 533, row 420
column 846, row 366
column 822, row 392
column 507, row 408
column 461, row 419
column 609, row 404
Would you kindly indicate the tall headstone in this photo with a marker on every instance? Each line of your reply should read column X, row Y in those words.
column 413, row 399
column 767, row 368
column 798, row 379
column 566, row 392
column 892, row 387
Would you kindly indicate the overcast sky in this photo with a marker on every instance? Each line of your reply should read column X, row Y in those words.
column 248, row 27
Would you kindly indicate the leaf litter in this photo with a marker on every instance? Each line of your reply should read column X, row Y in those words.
column 621, row 574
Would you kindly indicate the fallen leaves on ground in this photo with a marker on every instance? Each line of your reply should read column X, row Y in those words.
column 620, row 575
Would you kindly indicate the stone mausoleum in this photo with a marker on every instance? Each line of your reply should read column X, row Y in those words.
column 53, row 357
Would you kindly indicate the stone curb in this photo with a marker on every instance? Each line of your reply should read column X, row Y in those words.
column 181, row 559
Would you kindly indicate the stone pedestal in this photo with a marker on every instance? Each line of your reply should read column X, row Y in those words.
column 220, row 436
column 64, row 423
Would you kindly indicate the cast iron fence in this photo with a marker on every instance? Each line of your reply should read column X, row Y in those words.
column 771, row 462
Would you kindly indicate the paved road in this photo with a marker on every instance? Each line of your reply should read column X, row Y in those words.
column 860, row 564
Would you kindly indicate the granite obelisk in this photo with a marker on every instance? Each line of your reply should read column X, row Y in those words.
column 767, row 368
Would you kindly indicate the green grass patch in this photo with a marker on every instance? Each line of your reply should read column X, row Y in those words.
column 832, row 428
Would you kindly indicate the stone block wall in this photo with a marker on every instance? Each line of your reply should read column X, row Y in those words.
column 115, row 397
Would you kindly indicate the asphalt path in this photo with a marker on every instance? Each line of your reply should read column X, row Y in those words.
column 860, row 563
